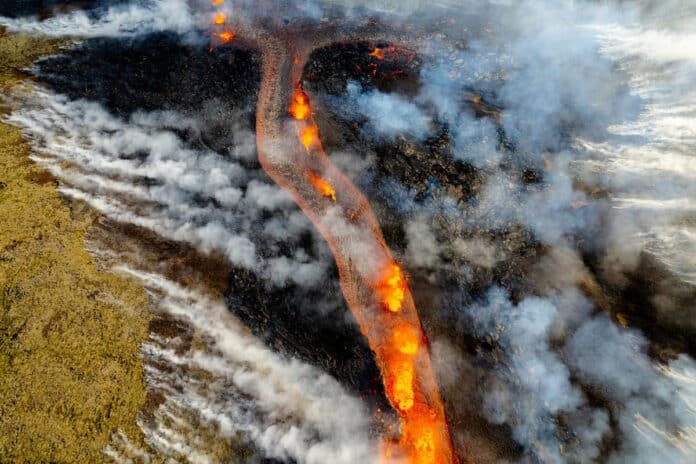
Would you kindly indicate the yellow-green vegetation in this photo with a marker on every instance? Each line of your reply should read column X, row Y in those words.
column 70, row 368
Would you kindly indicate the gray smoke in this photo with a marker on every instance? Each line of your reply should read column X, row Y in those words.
column 119, row 20
column 386, row 114
column 533, row 386
column 594, row 97
column 186, row 194
column 656, row 416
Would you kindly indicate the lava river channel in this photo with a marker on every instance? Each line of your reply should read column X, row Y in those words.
column 373, row 284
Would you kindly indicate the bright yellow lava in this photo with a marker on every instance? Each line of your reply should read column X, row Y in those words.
column 392, row 288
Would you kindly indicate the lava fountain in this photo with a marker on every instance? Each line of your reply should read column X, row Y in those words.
column 373, row 284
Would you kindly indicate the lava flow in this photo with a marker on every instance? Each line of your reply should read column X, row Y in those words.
column 219, row 19
column 374, row 285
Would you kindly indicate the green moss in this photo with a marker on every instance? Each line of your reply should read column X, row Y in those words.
column 70, row 366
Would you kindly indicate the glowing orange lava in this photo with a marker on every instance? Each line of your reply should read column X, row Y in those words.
column 309, row 136
column 323, row 187
column 401, row 355
column 299, row 108
column 423, row 433
column 405, row 339
column 402, row 385
column 225, row 36
column 219, row 19
column 374, row 285
column 392, row 287
column 377, row 53
column 218, row 2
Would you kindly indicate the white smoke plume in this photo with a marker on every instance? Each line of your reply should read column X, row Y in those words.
column 139, row 171
column 387, row 114
column 285, row 408
column 656, row 417
column 119, row 20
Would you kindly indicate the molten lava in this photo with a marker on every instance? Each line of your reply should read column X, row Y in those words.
column 395, row 335
column 309, row 136
column 373, row 284
column 402, row 385
column 218, row 2
column 225, row 36
column 377, row 53
column 219, row 19
column 423, row 433
column 392, row 288
column 405, row 339
column 299, row 108
column 323, row 187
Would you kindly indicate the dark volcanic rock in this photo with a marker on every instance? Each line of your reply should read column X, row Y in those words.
column 153, row 72
column 160, row 72
column 287, row 320
column 331, row 68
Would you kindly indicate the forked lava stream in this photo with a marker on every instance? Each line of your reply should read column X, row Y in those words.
column 372, row 282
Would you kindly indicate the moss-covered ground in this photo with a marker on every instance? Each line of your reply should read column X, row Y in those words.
column 70, row 366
